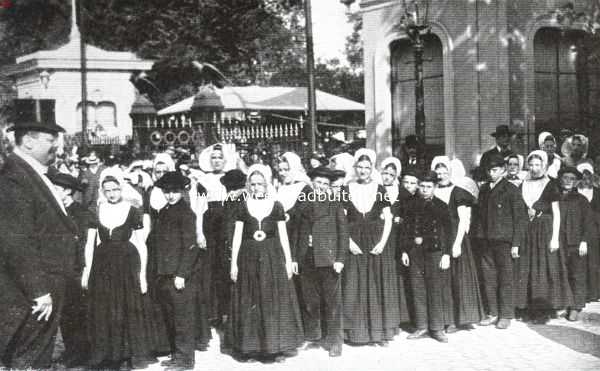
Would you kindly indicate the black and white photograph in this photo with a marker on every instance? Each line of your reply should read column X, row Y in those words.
column 298, row 185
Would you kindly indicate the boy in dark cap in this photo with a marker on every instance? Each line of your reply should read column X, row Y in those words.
column 73, row 319
column 322, row 244
column 175, row 255
column 502, row 218
column 427, row 254
column 575, row 233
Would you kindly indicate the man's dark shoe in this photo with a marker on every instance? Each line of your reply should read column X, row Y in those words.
column 419, row 334
column 439, row 335
column 335, row 350
column 503, row 323
column 489, row 320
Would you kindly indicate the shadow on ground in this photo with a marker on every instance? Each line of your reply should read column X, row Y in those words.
column 578, row 340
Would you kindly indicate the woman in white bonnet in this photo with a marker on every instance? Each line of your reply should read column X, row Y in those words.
column 293, row 182
column 541, row 283
column 265, row 320
column 397, row 196
column 369, row 281
column 592, row 194
column 547, row 143
column 467, row 300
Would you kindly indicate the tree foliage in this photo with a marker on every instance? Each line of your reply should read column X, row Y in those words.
column 251, row 41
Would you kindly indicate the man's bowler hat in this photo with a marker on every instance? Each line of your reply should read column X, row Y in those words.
column 502, row 130
column 35, row 115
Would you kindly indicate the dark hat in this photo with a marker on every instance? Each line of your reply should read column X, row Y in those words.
column 36, row 115
column 502, row 130
column 66, row 181
column 172, row 180
column 495, row 160
column 233, row 179
column 569, row 170
column 337, row 174
column 410, row 171
column 428, row 176
column 322, row 172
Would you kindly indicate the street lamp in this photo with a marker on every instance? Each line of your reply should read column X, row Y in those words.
column 414, row 22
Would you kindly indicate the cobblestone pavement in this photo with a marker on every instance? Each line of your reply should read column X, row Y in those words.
column 557, row 345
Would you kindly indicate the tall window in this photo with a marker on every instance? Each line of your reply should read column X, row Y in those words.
column 102, row 113
column 567, row 81
column 403, row 93
column 106, row 114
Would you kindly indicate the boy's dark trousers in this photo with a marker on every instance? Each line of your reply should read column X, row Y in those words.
column 429, row 285
column 322, row 293
column 178, row 308
column 497, row 269
column 576, row 268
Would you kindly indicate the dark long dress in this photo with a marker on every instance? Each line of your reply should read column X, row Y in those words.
column 265, row 316
column 548, row 285
column 593, row 274
column 398, row 208
column 369, row 282
column 120, row 321
column 467, row 298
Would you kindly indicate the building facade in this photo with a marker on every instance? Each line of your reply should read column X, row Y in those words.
column 487, row 63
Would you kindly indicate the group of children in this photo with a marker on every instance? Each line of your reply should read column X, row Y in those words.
column 453, row 248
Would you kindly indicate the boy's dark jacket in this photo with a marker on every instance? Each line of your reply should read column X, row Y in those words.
column 502, row 213
column 429, row 220
column 326, row 222
column 174, row 241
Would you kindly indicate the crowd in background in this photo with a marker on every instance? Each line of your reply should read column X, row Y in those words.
column 175, row 244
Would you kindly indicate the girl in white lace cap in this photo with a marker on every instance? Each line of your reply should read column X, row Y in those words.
column 261, row 269
column 369, row 284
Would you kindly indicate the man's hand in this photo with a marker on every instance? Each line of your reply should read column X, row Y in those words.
column 514, row 252
column 445, row 262
column 179, row 283
column 295, row 268
column 337, row 267
column 418, row 240
column 43, row 306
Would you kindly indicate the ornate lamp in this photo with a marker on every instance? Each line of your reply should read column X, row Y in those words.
column 414, row 22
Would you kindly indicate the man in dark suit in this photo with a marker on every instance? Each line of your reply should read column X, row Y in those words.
column 322, row 244
column 503, row 222
column 502, row 148
column 37, row 241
